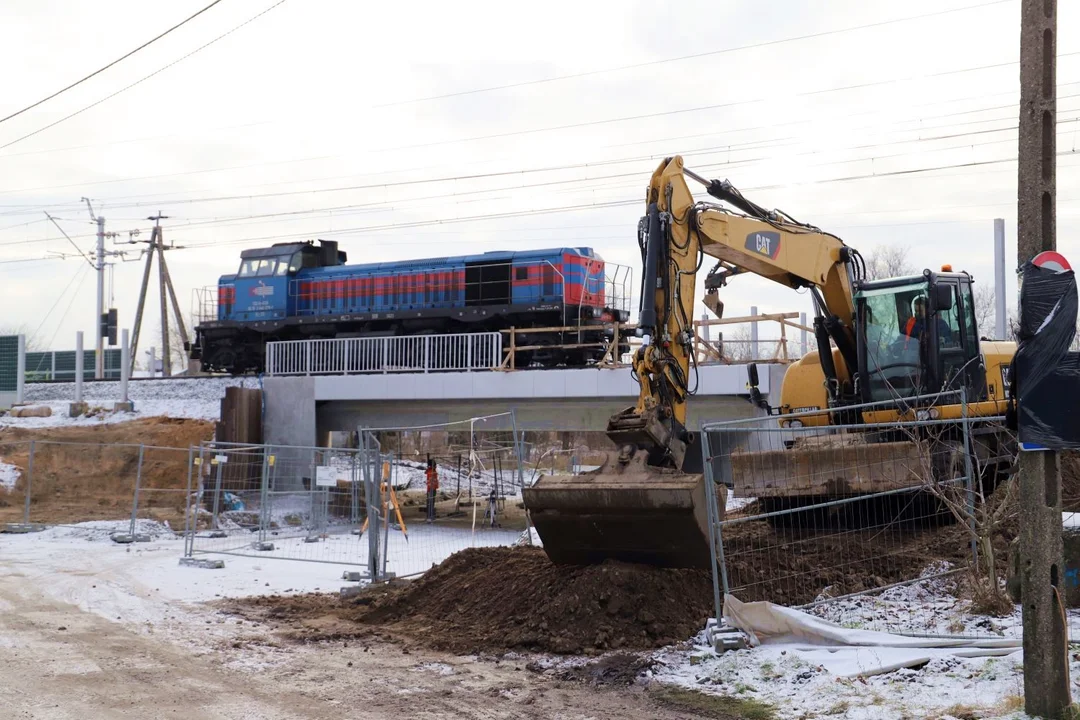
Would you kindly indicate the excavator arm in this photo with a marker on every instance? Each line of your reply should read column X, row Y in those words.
column 647, row 502
column 675, row 235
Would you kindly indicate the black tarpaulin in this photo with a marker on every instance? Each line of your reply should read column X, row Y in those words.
column 1046, row 376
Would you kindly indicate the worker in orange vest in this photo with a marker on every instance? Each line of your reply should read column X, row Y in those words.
column 916, row 324
column 432, row 475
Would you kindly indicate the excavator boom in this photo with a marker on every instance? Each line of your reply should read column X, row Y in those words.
column 646, row 503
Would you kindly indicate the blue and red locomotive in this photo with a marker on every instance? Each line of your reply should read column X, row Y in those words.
column 294, row 291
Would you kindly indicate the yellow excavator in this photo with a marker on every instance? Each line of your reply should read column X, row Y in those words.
column 646, row 503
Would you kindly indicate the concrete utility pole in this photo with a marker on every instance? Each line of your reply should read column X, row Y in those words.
column 999, row 280
column 99, row 267
column 1046, row 658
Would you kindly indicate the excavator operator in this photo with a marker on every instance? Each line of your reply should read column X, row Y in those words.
column 916, row 324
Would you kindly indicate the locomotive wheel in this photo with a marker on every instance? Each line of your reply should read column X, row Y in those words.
column 224, row 360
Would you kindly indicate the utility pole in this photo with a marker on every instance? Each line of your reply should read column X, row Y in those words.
column 157, row 248
column 99, row 266
column 1046, row 658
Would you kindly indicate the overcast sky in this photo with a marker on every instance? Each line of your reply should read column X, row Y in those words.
column 347, row 120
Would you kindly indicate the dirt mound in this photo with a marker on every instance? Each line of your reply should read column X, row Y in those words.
column 88, row 472
column 498, row 599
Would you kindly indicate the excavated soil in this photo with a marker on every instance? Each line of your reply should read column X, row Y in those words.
column 88, row 472
column 487, row 600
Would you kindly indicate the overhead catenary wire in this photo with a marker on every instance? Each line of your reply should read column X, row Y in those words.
column 594, row 163
column 71, row 302
column 704, row 167
column 79, row 270
column 140, row 80
column 553, row 128
column 694, row 56
column 555, row 168
column 117, row 61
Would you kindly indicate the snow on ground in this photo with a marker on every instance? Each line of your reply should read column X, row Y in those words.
column 196, row 398
column 9, row 475
column 143, row 586
column 805, row 681
column 86, row 551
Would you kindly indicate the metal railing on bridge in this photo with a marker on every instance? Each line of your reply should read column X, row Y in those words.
column 419, row 353
column 502, row 350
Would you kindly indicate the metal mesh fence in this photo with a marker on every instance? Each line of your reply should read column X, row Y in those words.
column 824, row 516
column 448, row 497
column 297, row 503
column 50, row 483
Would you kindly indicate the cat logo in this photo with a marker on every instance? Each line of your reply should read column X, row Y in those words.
column 764, row 243
column 262, row 290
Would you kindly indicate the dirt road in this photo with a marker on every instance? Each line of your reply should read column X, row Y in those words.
column 62, row 663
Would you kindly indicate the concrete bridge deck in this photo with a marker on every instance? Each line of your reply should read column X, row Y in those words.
column 302, row 410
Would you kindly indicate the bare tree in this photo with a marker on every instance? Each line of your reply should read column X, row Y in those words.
column 889, row 261
column 984, row 297
column 983, row 513
column 736, row 346
column 177, row 354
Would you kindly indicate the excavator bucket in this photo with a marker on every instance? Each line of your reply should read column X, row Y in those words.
column 625, row 510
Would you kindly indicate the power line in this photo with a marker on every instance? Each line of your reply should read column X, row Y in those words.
column 546, row 129
column 693, row 56
column 146, row 44
column 680, row 111
column 143, row 79
column 390, row 205
column 558, row 168
column 60, row 297
column 729, row 146
column 67, row 310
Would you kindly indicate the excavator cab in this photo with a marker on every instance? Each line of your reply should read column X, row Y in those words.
column 918, row 335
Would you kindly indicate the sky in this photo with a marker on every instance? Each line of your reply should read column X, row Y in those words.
column 369, row 123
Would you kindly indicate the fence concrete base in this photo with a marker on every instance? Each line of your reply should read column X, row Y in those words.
column 20, row 528
column 202, row 563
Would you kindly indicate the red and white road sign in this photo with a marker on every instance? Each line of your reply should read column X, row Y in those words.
column 1051, row 260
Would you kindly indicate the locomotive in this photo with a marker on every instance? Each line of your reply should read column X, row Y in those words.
column 296, row 291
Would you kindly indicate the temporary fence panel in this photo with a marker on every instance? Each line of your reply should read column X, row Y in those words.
column 418, row 353
column 477, row 503
column 819, row 517
column 296, row 503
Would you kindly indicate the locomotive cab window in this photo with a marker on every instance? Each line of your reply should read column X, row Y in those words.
column 248, row 268
column 265, row 268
